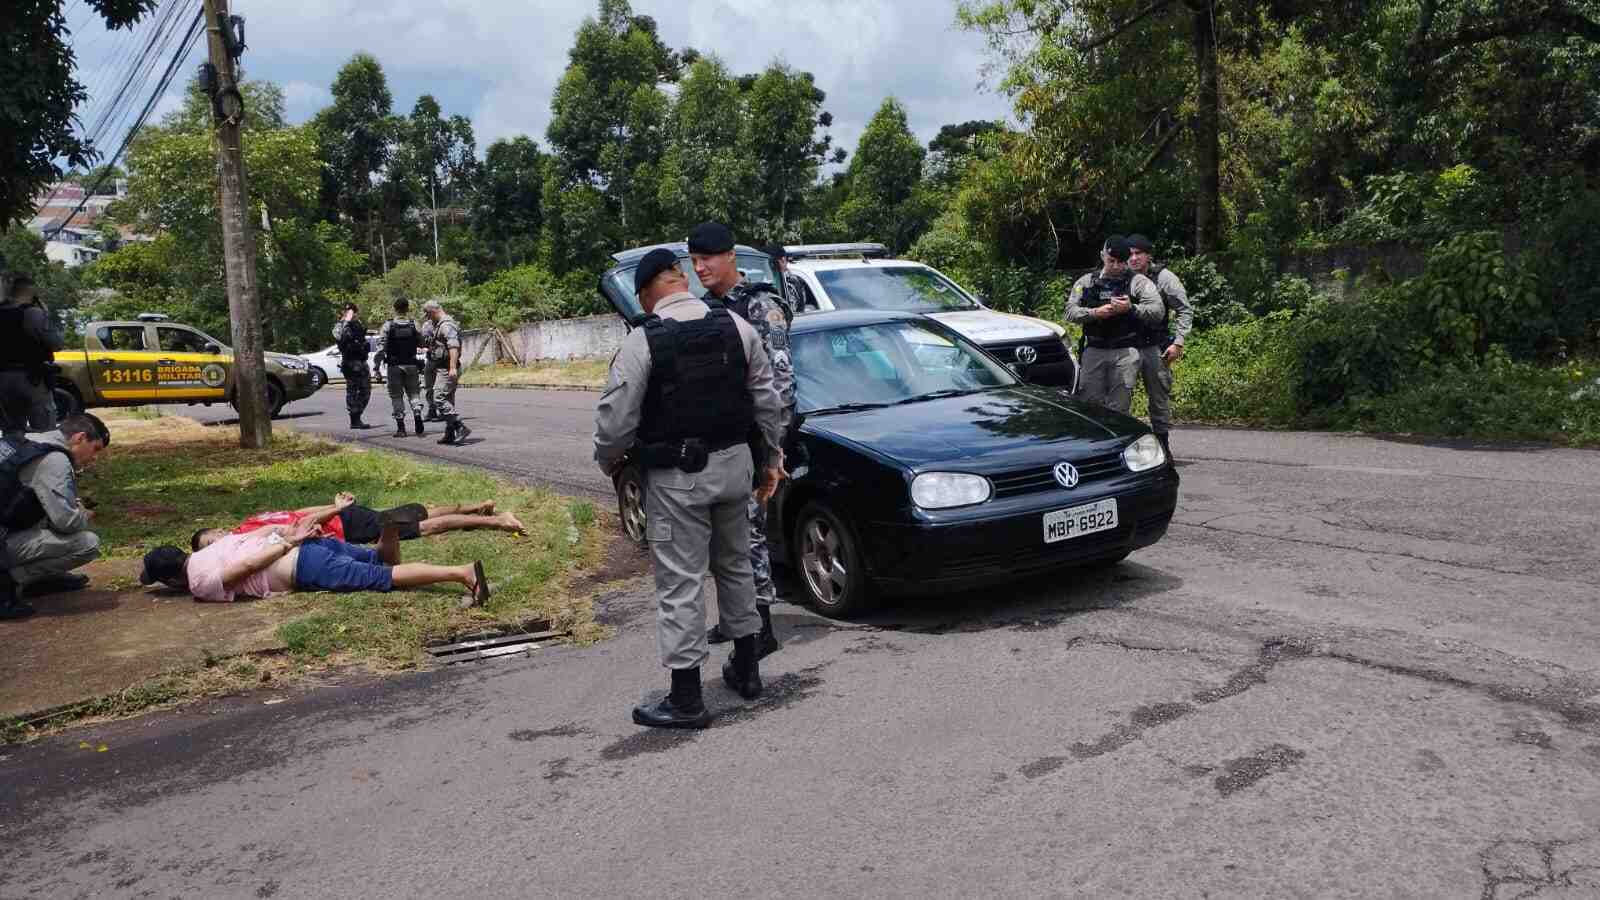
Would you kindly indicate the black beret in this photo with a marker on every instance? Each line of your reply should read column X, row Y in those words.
column 654, row 263
column 776, row 251
column 1117, row 248
column 1140, row 242
column 710, row 237
column 161, row 564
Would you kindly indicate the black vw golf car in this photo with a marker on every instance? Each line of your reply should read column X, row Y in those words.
column 925, row 465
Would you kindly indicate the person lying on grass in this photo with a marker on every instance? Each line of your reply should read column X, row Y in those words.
column 283, row 558
column 353, row 523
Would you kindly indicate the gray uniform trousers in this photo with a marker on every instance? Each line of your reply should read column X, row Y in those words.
column 1108, row 376
column 430, row 373
column 1157, row 377
column 698, row 523
column 404, row 385
column 34, row 554
column 444, row 391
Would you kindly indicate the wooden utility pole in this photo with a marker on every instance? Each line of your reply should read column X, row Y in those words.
column 238, row 246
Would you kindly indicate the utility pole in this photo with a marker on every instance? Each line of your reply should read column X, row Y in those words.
column 238, row 246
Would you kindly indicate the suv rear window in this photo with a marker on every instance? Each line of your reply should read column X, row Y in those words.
column 900, row 288
column 754, row 267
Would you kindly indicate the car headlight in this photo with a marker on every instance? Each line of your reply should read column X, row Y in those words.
column 1144, row 454
column 298, row 365
column 943, row 490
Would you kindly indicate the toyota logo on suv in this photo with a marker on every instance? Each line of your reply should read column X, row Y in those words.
column 1027, row 355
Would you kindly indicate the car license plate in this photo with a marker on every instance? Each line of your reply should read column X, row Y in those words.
column 1066, row 524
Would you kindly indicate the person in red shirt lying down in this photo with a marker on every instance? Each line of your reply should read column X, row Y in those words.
column 356, row 524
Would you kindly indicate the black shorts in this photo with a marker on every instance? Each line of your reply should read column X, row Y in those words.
column 362, row 524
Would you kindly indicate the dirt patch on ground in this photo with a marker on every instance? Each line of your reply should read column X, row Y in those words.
column 624, row 560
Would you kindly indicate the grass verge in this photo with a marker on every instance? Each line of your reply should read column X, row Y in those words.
column 164, row 477
column 573, row 372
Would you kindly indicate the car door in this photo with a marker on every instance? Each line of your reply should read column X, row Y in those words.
column 190, row 366
column 123, row 369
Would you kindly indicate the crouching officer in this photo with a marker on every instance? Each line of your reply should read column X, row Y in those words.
column 351, row 338
column 44, row 527
column 682, row 397
column 444, row 351
column 1113, row 306
column 1160, row 345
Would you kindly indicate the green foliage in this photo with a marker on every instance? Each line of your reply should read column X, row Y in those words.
column 22, row 253
column 1240, row 373
column 884, row 176
column 417, row 280
column 528, row 293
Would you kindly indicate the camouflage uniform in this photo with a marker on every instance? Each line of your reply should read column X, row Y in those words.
column 447, row 337
column 767, row 314
column 430, row 369
column 357, row 379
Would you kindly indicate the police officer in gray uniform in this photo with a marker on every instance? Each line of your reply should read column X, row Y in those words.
column 398, row 341
column 1160, row 345
column 445, row 351
column 711, row 251
column 682, row 397
column 28, row 342
column 1112, row 305
column 430, row 370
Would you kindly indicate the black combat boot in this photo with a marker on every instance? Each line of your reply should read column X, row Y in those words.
column 767, row 640
column 742, row 671
column 449, row 432
column 356, row 423
column 11, row 606
column 399, row 426
column 715, row 635
column 1162, row 437
column 417, row 417
column 682, row 707
column 457, row 431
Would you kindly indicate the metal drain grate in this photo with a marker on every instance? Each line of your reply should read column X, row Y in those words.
column 488, row 648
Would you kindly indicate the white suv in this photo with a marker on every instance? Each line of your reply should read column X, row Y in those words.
column 860, row 276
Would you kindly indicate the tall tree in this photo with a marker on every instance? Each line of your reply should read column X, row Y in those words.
column 883, row 178
column 439, row 154
column 507, row 209
column 783, row 112
column 39, row 93
column 357, row 136
column 705, row 173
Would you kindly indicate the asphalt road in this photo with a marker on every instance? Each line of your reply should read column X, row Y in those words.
column 1356, row 667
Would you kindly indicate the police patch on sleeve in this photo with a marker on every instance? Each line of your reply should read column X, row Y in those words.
column 775, row 317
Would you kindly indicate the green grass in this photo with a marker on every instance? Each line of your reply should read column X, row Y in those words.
column 573, row 372
column 163, row 479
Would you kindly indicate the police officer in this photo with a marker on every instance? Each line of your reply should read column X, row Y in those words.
column 787, row 281
column 28, row 342
column 1160, row 345
column 1113, row 306
column 430, row 370
column 44, row 527
column 445, row 351
column 398, row 341
column 351, row 337
column 682, row 398
column 711, row 251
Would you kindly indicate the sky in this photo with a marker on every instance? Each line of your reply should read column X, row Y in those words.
column 497, row 61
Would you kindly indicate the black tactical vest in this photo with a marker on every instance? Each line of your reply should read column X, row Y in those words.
column 1156, row 335
column 19, row 506
column 353, row 343
column 16, row 350
column 1118, row 331
column 697, row 382
column 401, row 347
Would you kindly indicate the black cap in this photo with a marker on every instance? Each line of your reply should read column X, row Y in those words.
column 776, row 251
column 654, row 263
column 1140, row 242
column 710, row 237
column 161, row 564
column 1117, row 248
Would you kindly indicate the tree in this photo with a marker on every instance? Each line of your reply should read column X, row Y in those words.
column 783, row 113
column 507, row 207
column 883, row 178
column 439, row 154
column 39, row 93
column 357, row 134
column 955, row 147
column 705, row 175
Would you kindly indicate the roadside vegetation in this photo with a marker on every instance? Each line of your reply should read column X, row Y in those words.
column 584, row 373
column 164, row 477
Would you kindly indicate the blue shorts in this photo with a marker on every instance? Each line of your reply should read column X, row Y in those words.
column 329, row 564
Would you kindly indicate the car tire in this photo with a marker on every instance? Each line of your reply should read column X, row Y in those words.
column 66, row 401
column 318, row 378
column 828, row 560
column 274, row 399
column 630, row 503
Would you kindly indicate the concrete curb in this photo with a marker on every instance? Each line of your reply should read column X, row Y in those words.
column 594, row 389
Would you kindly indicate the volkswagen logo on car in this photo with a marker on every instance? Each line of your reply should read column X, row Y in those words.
column 1066, row 474
column 1027, row 355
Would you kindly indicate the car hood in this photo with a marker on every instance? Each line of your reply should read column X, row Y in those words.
column 985, row 326
column 997, row 429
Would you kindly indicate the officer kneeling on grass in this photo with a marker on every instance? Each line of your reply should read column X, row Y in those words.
column 44, row 527
column 683, row 394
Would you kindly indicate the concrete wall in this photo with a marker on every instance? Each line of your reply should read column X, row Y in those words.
column 590, row 336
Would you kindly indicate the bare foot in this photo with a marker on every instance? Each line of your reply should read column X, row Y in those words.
column 510, row 522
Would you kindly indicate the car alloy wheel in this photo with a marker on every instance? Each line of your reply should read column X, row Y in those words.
column 829, row 563
column 630, row 504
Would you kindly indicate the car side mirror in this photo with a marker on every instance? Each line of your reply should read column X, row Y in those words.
column 213, row 348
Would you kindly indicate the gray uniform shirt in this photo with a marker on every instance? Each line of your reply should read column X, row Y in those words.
column 444, row 335
column 51, row 479
column 616, row 423
column 1177, row 301
column 1141, row 291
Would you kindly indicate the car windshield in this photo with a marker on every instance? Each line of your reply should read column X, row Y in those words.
column 754, row 267
column 900, row 288
column 888, row 363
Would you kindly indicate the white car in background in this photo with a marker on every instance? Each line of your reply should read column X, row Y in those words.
column 861, row 276
column 325, row 363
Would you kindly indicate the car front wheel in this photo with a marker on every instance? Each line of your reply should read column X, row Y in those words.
column 630, row 503
column 829, row 559
column 274, row 400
